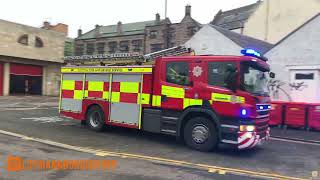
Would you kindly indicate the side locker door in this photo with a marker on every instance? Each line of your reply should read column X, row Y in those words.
column 71, row 92
column 125, row 99
column 97, row 86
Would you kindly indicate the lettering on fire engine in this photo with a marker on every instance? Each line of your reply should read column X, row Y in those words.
column 106, row 70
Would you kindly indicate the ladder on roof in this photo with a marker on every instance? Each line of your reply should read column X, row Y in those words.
column 119, row 59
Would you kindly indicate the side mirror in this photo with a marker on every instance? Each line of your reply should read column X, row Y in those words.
column 272, row 75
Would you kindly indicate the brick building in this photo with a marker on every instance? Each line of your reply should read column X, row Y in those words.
column 30, row 59
column 142, row 37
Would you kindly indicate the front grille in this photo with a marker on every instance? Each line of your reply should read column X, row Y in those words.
column 262, row 126
column 263, row 110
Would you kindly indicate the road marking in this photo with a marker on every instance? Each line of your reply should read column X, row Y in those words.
column 316, row 143
column 208, row 168
column 52, row 119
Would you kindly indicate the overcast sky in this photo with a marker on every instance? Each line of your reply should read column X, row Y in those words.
column 87, row 13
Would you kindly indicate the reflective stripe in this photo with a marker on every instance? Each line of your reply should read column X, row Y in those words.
column 95, row 86
column 221, row 97
column 172, row 92
column 115, row 97
column 191, row 102
column 106, row 70
column 240, row 99
column 105, row 95
column 68, row 85
column 145, row 98
column 156, row 100
column 86, row 93
column 129, row 87
column 227, row 98
column 78, row 94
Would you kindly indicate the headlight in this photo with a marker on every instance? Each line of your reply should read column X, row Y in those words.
column 248, row 128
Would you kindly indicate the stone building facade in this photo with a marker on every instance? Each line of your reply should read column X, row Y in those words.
column 30, row 59
column 140, row 37
column 268, row 20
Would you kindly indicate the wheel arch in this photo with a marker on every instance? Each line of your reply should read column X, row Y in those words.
column 197, row 111
column 88, row 107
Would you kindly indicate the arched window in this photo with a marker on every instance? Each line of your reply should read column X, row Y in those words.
column 23, row 39
column 39, row 42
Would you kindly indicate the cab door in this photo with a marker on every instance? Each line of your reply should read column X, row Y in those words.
column 224, row 101
column 175, row 84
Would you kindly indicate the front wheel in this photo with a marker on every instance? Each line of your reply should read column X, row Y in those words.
column 96, row 119
column 201, row 134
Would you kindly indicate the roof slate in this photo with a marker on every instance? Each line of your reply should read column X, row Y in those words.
column 111, row 30
column 244, row 41
column 235, row 18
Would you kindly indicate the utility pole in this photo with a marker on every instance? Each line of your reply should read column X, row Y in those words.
column 166, row 8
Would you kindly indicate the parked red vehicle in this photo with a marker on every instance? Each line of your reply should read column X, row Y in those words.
column 203, row 100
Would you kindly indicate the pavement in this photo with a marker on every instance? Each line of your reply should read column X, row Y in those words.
column 144, row 155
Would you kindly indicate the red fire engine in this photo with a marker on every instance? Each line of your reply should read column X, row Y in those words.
column 203, row 100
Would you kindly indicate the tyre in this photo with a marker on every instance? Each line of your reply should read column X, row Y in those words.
column 200, row 134
column 95, row 119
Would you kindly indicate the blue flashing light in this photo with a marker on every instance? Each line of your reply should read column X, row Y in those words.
column 251, row 52
column 269, row 107
column 243, row 112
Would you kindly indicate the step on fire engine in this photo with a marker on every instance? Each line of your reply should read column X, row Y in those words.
column 203, row 100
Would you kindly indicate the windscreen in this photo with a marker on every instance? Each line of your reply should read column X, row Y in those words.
column 254, row 79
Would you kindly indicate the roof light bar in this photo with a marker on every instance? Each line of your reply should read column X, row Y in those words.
column 253, row 53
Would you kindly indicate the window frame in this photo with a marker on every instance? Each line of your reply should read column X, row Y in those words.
column 112, row 45
column 92, row 48
column 153, row 34
column 166, row 66
column 220, row 62
column 37, row 41
column 100, row 46
column 124, row 46
column 24, row 37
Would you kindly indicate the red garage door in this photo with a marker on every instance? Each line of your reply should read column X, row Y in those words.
column 25, row 79
column 27, row 70
column 1, row 79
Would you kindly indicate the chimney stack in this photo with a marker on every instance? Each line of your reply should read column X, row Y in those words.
column 119, row 28
column 188, row 10
column 157, row 18
column 97, row 30
column 46, row 25
column 79, row 32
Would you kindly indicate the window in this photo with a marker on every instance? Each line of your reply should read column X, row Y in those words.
column 156, row 47
column 68, row 48
column 23, row 39
column 153, row 34
column 100, row 47
column 112, row 47
column 217, row 73
column 137, row 44
column 124, row 46
column 39, row 42
column 90, row 48
column 178, row 73
column 79, row 49
column 192, row 30
column 300, row 76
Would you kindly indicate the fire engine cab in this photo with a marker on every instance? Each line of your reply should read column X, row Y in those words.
column 203, row 100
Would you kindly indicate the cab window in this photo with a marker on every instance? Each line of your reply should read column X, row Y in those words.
column 218, row 73
column 178, row 73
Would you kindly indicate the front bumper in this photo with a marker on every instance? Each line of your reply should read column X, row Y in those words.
column 247, row 140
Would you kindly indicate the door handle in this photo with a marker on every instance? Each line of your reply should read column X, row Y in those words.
column 164, row 98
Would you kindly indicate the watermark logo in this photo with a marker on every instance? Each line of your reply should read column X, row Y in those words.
column 17, row 163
